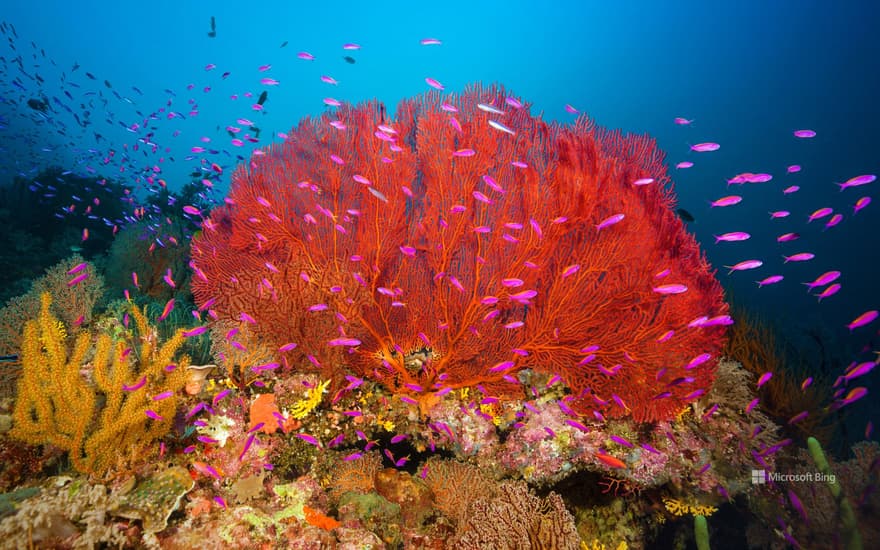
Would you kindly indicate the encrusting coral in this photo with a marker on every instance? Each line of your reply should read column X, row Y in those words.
column 96, row 402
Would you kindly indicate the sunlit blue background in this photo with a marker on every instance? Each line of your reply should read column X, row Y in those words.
column 747, row 73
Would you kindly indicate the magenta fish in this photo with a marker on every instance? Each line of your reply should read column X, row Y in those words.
column 684, row 164
column 697, row 361
column 705, row 147
column 863, row 319
column 854, row 395
column 78, row 279
column 310, row 439
column 733, row 236
column 833, row 220
column 744, row 265
column 859, row 370
column 194, row 332
column 860, row 204
column 772, row 279
column 779, row 214
column 791, row 189
column 670, row 289
column 799, row 257
column 729, row 200
column 830, row 291
column 857, row 181
column 609, row 221
column 820, row 213
column 787, row 237
column 804, row 133
column 434, row 84
column 823, row 279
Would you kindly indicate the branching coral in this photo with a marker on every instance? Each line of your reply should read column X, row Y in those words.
column 117, row 405
column 456, row 485
column 516, row 519
column 434, row 252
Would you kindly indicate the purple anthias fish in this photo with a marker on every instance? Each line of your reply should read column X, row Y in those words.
column 799, row 257
column 830, row 291
column 857, row 181
column 823, row 279
column 744, row 265
column 733, row 236
column 772, row 279
column 863, row 319
column 860, row 204
column 705, row 147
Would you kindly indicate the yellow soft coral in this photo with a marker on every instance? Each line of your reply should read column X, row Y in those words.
column 303, row 407
column 680, row 508
column 94, row 418
column 596, row 545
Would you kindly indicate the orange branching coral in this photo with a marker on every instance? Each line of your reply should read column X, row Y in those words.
column 437, row 250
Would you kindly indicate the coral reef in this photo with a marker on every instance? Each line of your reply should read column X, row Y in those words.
column 438, row 253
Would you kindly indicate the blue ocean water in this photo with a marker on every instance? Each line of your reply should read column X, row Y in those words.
column 747, row 74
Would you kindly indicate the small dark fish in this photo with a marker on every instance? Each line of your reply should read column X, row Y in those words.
column 75, row 66
column 38, row 105
column 349, row 59
column 91, row 76
column 284, row 43
column 263, row 97
column 213, row 32
column 107, row 83
column 685, row 215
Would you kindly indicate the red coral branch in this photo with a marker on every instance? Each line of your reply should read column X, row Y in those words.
column 455, row 269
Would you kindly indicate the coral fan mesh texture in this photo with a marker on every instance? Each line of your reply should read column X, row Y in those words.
column 457, row 254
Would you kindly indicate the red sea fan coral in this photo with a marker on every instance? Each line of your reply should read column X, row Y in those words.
column 462, row 242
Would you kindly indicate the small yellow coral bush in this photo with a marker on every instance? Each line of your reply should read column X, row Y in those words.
column 121, row 399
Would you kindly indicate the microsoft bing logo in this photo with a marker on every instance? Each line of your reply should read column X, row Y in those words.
column 759, row 477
